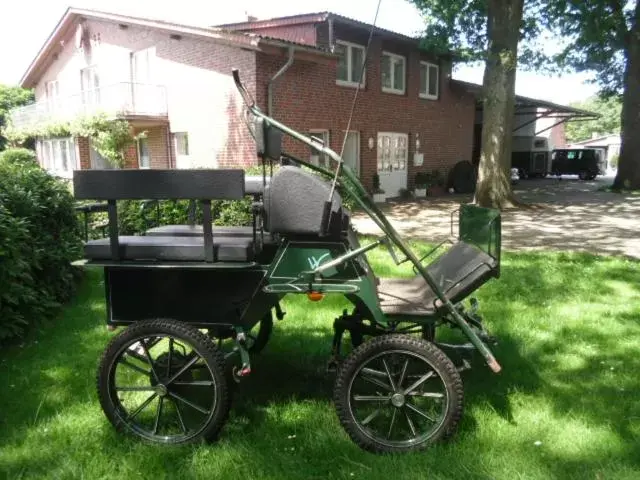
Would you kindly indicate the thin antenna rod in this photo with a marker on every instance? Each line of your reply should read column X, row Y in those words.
column 355, row 97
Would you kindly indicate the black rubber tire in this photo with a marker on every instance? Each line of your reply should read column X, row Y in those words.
column 199, row 342
column 583, row 175
column 437, row 360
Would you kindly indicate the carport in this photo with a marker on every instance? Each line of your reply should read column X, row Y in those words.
column 533, row 117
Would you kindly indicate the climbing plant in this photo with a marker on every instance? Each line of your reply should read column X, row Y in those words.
column 109, row 136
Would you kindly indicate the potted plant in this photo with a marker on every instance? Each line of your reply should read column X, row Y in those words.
column 436, row 184
column 379, row 195
column 421, row 183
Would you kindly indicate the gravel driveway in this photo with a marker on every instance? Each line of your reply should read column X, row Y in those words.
column 568, row 214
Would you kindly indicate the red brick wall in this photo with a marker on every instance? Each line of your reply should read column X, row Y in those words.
column 307, row 97
column 159, row 148
column 559, row 136
column 84, row 153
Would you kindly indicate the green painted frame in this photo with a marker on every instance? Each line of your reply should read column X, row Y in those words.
column 392, row 238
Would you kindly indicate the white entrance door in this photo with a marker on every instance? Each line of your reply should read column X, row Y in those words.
column 351, row 155
column 392, row 162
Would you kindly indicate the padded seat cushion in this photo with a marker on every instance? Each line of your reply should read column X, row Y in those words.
column 458, row 272
column 197, row 231
column 180, row 249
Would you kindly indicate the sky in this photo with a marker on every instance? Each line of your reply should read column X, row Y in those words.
column 20, row 40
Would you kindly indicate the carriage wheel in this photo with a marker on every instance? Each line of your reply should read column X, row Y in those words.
column 397, row 393
column 164, row 381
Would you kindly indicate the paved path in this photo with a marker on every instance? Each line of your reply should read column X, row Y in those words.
column 569, row 215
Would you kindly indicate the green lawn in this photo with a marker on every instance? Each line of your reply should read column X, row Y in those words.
column 565, row 406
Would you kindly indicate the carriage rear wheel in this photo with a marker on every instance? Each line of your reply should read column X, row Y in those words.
column 398, row 393
column 164, row 381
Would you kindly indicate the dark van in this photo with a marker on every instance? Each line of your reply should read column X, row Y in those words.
column 585, row 162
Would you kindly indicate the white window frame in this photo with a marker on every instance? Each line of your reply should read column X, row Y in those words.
column 426, row 94
column 51, row 151
column 350, row 82
column 392, row 57
column 52, row 94
column 89, row 76
column 140, row 166
column 356, row 133
column 177, row 136
column 315, row 157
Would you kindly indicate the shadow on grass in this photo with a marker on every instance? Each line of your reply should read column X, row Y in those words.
column 568, row 332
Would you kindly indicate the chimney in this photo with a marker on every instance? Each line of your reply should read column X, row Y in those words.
column 251, row 18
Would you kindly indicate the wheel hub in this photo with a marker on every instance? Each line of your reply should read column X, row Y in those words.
column 162, row 390
column 397, row 400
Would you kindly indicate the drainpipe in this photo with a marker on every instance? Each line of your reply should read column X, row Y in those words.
column 331, row 45
column 283, row 69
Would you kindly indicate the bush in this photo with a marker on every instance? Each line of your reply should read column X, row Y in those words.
column 39, row 237
column 19, row 156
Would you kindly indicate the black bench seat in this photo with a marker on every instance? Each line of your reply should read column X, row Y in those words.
column 172, row 248
column 198, row 231
column 459, row 271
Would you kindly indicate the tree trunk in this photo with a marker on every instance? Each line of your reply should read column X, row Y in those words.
column 628, row 176
column 493, row 188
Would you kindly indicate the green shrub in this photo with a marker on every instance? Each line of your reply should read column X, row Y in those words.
column 39, row 237
column 19, row 156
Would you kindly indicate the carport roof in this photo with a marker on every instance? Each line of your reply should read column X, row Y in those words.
column 528, row 105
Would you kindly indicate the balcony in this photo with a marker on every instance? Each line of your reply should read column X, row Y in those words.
column 125, row 100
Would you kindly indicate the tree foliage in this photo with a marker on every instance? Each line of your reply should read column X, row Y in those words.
column 11, row 97
column 603, row 36
column 609, row 109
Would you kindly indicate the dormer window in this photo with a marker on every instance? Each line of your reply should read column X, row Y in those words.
column 393, row 73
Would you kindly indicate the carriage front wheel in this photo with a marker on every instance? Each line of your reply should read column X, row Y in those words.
column 397, row 393
column 164, row 381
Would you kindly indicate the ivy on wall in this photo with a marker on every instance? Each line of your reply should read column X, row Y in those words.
column 109, row 136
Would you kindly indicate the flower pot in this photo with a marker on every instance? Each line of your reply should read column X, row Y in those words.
column 379, row 197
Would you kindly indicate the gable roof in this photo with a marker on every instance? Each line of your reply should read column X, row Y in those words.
column 73, row 16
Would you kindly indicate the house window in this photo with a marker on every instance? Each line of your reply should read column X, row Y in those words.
column 90, row 84
column 58, row 156
column 321, row 160
column 181, row 142
column 144, row 157
column 429, row 80
column 392, row 151
column 393, row 73
column 52, row 92
column 98, row 162
column 350, row 63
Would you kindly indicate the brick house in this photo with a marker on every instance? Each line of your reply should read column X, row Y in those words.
column 174, row 82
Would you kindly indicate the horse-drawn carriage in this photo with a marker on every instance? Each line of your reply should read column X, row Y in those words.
column 181, row 290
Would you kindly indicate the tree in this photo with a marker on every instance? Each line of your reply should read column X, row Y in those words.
column 604, row 37
column 488, row 30
column 609, row 108
column 11, row 97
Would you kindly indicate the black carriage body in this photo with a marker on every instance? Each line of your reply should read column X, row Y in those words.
column 203, row 297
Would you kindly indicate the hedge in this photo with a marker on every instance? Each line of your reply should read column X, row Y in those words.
column 39, row 237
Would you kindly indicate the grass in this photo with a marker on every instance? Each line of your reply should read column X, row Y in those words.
column 569, row 335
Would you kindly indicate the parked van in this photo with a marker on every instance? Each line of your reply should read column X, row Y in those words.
column 587, row 163
column 530, row 155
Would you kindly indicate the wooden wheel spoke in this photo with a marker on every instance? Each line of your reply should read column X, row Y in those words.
column 198, row 383
column 403, row 373
column 377, row 382
column 426, row 394
column 186, row 367
column 180, row 419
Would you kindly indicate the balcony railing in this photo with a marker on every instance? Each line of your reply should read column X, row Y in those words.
column 121, row 99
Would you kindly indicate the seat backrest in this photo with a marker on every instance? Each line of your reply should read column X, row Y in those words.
column 198, row 184
column 294, row 203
